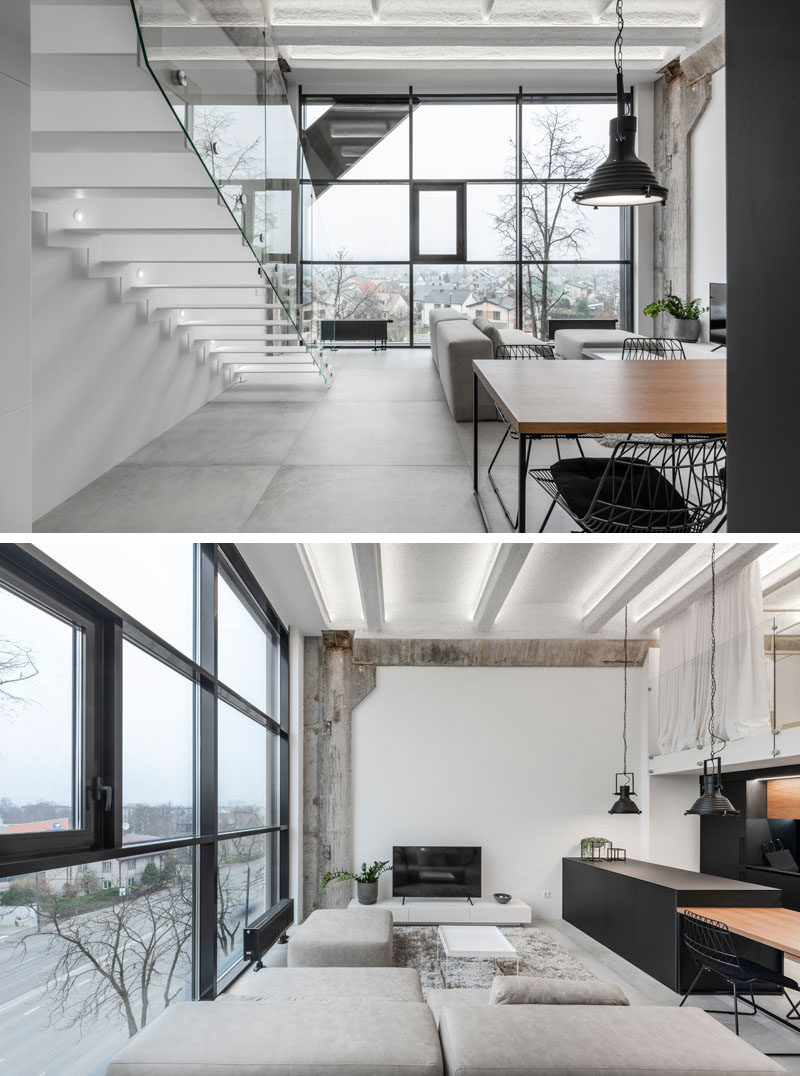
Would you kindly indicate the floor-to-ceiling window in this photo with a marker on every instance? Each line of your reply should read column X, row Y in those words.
column 419, row 203
column 143, row 819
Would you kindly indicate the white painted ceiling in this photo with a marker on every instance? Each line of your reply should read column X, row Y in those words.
column 564, row 589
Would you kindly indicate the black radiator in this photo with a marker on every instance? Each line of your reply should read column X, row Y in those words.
column 335, row 332
column 265, row 931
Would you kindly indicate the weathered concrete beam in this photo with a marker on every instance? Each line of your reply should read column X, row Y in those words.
column 500, row 653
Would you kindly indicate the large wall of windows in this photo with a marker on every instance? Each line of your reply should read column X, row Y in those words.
column 418, row 203
column 143, row 814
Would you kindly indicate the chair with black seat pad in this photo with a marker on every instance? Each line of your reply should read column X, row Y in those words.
column 523, row 351
column 712, row 949
column 643, row 487
column 652, row 347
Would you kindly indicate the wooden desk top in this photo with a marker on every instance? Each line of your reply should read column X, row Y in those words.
column 660, row 396
column 776, row 927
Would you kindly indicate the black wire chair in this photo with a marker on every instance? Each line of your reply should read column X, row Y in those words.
column 524, row 351
column 712, row 949
column 667, row 487
column 652, row 347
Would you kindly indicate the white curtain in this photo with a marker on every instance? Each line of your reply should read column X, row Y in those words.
column 684, row 696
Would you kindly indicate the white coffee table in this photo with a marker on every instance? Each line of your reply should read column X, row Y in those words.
column 692, row 351
column 473, row 943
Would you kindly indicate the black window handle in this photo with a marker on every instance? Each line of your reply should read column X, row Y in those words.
column 102, row 794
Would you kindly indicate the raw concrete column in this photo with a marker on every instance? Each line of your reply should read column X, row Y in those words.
column 681, row 97
column 334, row 684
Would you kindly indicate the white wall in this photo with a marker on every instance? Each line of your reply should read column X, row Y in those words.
column 105, row 381
column 15, row 267
column 520, row 761
column 643, row 217
column 708, row 237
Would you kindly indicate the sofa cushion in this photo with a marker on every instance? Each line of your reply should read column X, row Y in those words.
column 578, row 1040
column 481, row 323
column 336, row 984
column 312, row 1038
column 569, row 343
column 343, row 938
column 637, row 487
column 468, row 997
column 434, row 318
column 459, row 342
column 528, row 990
column 509, row 336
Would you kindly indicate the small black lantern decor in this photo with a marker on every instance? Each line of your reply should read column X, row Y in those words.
column 623, row 179
column 625, row 788
column 712, row 800
column 616, row 854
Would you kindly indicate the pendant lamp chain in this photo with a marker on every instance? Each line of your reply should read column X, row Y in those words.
column 618, row 42
column 625, row 697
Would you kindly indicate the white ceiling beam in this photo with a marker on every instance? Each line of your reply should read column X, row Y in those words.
column 781, row 577
column 492, row 35
column 647, row 569
column 268, row 7
column 314, row 584
column 498, row 583
column 486, row 9
column 728, row 563
column 376, row 9
column 367, row 557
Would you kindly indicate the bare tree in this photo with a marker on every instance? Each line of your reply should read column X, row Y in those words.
column 17, row 664
column 553, row 227
column 132, row 949
column 345, row 294
column 227, row 158
column 240, row 874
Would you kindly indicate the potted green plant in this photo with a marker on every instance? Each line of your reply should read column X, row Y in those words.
column 686, row 315
column 366, row 880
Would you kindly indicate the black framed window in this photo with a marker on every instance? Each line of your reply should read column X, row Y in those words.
column 488, row 179
column 144, row 794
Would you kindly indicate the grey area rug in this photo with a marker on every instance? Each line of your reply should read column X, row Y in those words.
column 540, row 955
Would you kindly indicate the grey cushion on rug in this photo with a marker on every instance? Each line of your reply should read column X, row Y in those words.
column 349, row 1038
column 337, row 984
column 527, row 990
column 343, row 938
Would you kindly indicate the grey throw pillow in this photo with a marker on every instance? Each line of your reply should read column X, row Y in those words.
column 480, row 323
column 527, row 990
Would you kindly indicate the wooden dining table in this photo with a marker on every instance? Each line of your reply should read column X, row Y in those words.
column 572, row 396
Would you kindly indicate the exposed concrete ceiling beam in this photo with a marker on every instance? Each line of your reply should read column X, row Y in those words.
column 736, row 558
column 787, row 573
column 491, row 35
column 640, row 575
column 486, row 9
column 502, row 575
column 367, row 557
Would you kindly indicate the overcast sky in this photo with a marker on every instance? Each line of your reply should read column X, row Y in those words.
column 153, row 583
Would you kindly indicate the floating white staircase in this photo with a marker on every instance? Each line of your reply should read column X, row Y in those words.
column 117, row 178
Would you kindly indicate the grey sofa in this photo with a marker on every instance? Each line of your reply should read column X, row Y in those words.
column 570, row 343
column 458, row 343
column 434, row 319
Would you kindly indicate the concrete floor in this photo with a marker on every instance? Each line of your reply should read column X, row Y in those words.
column 377, row 452
column 760, row 1031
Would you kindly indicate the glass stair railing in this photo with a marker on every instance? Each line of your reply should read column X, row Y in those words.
column 221, row 76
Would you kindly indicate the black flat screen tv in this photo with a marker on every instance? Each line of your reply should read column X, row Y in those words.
column 436, row 871
column 718, row 313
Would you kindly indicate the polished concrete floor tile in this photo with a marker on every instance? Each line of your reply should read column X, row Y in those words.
column 242, row 432
column 359, row 383
column 379, row 433
column 393, row 359
column 345, row 498
column 157, row 498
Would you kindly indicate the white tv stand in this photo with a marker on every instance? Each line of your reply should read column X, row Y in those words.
column 436, row 912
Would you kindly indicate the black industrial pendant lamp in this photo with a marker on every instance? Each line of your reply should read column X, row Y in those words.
column 712, row 800
column 622, row 179
column 625, row 788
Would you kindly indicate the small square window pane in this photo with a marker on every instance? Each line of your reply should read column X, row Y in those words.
column 438, row 222
column 358, row 222
column 157, row 749
column 465, row 140
column 241, row 647
column 242, row 788
column 152, row 583
column 41, row 680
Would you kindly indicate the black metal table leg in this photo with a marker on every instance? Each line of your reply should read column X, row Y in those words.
column 476, row 492
column 522, row 481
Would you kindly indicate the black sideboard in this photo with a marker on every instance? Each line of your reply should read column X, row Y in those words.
column 631, row 907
